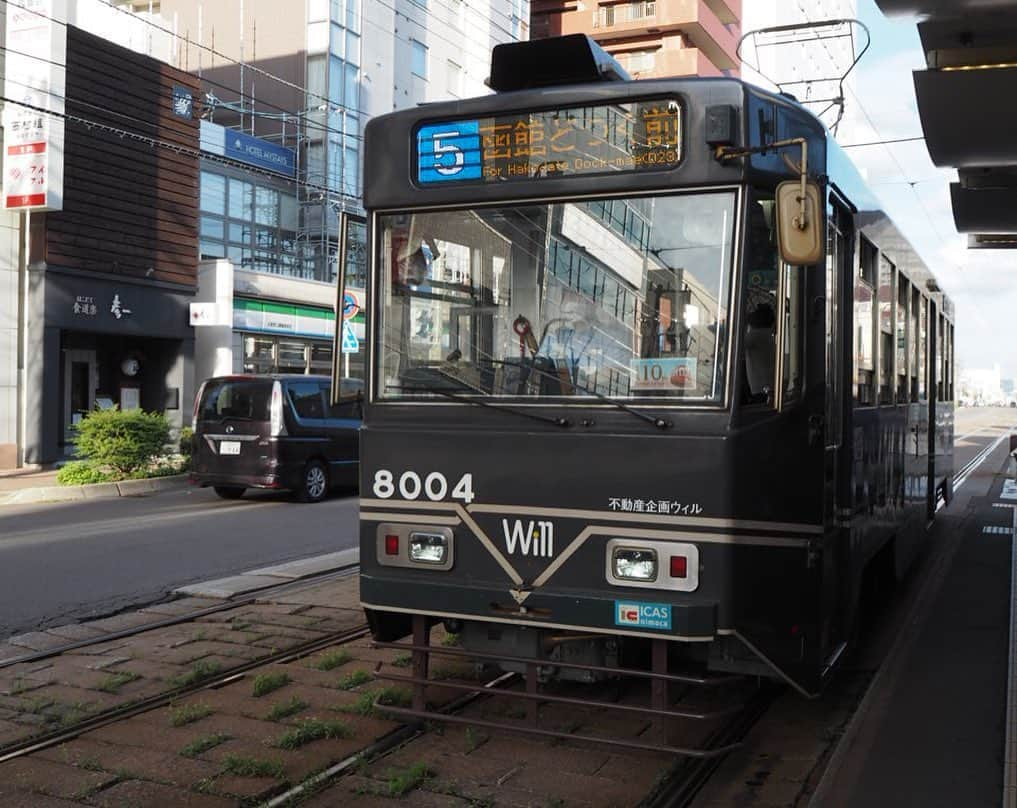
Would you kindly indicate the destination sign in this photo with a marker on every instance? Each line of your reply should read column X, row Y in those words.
column 601, row 139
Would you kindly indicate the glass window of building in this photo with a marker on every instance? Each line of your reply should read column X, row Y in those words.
column 418, row 62
column 455, row 79
column 253, row 225
column 266, row 353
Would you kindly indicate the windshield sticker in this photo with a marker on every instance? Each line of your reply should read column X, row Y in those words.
column 664, row 374
column 642, row 615
column 668, row 507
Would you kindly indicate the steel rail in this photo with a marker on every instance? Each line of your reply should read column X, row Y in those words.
column 47, row 740
column 698, row 715
column 689, row 776
column 397, row 737
column 550, row 733
column 707, row 681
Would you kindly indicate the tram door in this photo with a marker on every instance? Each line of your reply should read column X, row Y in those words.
column 837, row 418
column 839, row 277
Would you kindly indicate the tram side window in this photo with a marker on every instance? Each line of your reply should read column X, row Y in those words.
column 940, row 358
column 922, row 349
column 903, row 294
column 916, row 364
column 760, row 335
column 864, row 324
column 887, row 275
column 951, row 364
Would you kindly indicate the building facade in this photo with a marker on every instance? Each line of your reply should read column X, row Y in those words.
column 652, row 38
column 104, row 282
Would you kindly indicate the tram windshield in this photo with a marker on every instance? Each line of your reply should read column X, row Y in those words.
column 619, row 297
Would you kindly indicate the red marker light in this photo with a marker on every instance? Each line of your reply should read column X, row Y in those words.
column 679, row 567
column 392, row 544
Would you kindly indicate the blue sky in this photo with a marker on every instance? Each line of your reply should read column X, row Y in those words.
column 916, row 193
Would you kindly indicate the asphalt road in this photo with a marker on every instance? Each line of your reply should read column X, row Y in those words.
column 65, row 562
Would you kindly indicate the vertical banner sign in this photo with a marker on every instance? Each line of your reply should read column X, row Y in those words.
column 35, row 84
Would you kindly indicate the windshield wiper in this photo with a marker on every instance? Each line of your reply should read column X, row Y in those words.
column 660, row 423
column 460, row 395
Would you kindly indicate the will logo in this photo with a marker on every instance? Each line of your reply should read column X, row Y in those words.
column 529, row 538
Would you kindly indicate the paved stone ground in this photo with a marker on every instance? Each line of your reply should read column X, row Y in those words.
column 210, row 749
column 233, row 747
column 54, row 693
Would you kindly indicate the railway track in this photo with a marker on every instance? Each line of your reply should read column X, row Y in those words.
column 45, row 740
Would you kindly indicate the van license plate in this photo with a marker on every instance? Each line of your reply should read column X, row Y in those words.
column 229, row 447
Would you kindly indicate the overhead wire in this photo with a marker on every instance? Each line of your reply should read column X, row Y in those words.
column 328, row 193
column 310, row 124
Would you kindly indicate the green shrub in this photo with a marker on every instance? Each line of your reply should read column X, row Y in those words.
column 186, row 435
column 82, row 472
column 122, row 442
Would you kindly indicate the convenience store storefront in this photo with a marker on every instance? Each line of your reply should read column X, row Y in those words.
column 291, row 338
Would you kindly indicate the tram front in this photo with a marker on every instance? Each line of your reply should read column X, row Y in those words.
column 574, row 393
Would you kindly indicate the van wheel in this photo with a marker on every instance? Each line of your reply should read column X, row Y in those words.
column 315, row 482
column 229, row 491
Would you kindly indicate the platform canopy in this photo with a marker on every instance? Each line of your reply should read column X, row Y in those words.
column 965, row 101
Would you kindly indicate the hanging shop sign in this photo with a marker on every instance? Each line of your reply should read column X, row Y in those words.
column 34, row 88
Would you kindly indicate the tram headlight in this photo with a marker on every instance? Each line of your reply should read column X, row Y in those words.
column 634, row 564
column 428, row 548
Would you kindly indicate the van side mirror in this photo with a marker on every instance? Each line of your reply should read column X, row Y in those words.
column 799, row 223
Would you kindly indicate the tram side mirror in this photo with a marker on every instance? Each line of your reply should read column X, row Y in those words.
column 799, row 226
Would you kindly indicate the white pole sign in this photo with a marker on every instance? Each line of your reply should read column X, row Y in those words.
column 34, row 81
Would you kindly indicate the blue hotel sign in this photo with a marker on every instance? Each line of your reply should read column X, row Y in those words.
column 247, row 149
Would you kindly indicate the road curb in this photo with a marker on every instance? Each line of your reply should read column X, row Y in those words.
column 76, row 493
column 265, row 577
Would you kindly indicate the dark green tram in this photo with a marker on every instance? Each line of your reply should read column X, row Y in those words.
column 621, row 391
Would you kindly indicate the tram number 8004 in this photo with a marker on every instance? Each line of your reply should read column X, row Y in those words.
column 411, row 485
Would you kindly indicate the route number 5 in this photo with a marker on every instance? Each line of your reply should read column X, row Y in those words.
column 443, row 150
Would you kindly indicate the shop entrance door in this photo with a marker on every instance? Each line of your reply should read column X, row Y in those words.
column 79, row 388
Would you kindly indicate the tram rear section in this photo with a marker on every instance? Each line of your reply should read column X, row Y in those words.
column 615, row 418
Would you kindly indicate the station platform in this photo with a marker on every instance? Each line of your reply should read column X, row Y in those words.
column 932, row 729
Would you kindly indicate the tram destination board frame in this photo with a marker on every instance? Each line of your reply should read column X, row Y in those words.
column 636, row 135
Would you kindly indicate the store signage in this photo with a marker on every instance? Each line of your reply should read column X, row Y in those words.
column 34, row 86
column 279, row 318
column 287, row 318
column 244, row 148
column 117, row 309
column 536, row 145
column 84, row 306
